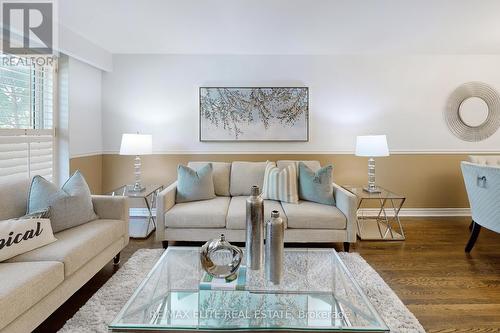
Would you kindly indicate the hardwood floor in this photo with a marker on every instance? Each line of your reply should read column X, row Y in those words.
column 447, row 289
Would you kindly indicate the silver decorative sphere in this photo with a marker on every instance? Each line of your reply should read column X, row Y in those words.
column 209, row 251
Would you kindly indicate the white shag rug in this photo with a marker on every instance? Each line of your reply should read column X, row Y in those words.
column 103, row 306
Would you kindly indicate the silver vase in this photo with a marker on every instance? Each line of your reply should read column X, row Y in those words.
column 255, row 229
column 275, row 247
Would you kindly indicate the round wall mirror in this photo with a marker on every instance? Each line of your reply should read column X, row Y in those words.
column 473, row 111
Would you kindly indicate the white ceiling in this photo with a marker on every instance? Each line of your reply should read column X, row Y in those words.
column 287, row 26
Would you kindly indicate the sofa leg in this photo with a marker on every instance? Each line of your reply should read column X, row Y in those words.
column 346, row 246
column 476, row 228
column 116, row 259
column 164, row 243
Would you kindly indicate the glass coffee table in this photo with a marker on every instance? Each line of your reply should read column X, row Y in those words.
column 317, row 293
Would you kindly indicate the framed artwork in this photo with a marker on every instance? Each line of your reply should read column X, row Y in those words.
column 254, row 114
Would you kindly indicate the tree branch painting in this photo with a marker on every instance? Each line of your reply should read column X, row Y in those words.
column 254, row 114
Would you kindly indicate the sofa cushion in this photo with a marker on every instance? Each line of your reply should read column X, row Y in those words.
column 311, row 215
column 76, row 246
column 37, row 214
column 198, row 214
column 21, row 236
column 13, row 198
column 313, row 165
column 280, row 184
column 24, row 284
column 221, row 173
column 236, row 215
column 244, row 175
column 316, row 186
column 194, row 185
column 70, row 206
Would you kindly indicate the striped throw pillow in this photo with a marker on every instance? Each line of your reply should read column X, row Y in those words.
column 280, row 184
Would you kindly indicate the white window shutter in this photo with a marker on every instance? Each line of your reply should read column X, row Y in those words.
column 26, row 121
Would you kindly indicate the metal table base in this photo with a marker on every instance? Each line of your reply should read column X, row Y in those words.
column 141, row 225
column 385, row 224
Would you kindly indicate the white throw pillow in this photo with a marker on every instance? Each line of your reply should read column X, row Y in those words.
column 280, row 184
column 18, row 236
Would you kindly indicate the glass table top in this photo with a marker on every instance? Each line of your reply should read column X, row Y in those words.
column 127, row 191
column 362, row 194
column 317, row 293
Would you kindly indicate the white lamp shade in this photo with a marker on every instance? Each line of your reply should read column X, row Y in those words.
column 372, row 145
column 136, row 144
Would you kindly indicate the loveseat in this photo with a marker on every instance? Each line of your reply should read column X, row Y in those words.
column 34, row 284
column 305, row 222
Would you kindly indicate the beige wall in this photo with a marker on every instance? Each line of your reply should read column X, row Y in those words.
column 427, row 180
column 91, row 168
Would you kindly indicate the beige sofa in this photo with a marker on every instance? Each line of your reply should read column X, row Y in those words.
column 202, row 220
column 36, row 283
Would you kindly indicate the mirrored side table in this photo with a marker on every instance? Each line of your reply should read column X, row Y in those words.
column 385, row 224
column 142, row 220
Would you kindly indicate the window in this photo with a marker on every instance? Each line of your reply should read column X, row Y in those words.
column 27, row 131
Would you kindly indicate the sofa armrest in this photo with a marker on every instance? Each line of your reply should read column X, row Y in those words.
column 113, row 208
column 348, row 205
column 164, row 201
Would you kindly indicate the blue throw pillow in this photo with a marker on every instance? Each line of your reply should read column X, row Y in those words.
column 194, row 185
column 316, row 186
column 70, row 206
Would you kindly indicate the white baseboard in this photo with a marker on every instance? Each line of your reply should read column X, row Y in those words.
column 419, row 212
column 405, row 212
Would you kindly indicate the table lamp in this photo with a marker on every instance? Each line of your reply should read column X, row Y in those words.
column 371, row 146
column 137, row 144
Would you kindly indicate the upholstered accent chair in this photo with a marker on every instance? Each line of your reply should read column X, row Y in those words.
column 482, row 183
